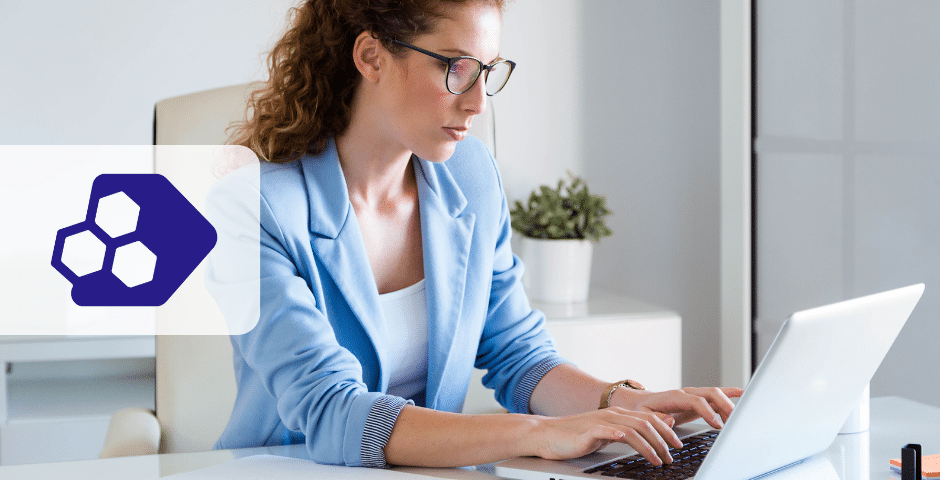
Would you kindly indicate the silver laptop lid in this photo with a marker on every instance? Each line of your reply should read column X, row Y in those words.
column 809, row 381
column 797, row 400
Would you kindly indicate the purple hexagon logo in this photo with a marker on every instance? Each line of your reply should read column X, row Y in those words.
column 140, row 240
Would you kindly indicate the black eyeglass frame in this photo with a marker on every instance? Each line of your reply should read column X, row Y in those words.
column 450, row 63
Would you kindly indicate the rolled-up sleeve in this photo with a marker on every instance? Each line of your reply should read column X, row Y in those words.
column 291, row 359
column 378, row 428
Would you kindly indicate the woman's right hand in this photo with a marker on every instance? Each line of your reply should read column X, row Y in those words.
column 560, row 438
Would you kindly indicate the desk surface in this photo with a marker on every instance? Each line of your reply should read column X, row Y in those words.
column 895, row 422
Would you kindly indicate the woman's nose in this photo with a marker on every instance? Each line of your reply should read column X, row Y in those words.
column 474, row 100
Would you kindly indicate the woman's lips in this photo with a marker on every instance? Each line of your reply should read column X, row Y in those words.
column 457, row 134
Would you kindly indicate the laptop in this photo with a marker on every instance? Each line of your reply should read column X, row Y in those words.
column 793, row 407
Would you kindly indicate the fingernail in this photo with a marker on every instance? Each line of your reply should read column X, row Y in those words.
column 717, row 419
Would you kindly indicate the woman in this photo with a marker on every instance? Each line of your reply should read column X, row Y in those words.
column 386, row 270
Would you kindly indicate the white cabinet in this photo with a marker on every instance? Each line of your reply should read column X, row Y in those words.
column 57, row 399
column 610, row 336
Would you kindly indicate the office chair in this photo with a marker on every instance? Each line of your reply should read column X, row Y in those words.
column 195, row 379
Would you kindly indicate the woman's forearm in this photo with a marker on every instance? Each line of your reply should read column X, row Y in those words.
column 429, row 438
column 566, row 390
column 567, row 424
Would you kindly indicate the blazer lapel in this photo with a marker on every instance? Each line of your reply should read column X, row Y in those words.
column 338, row 244
column 446, row 233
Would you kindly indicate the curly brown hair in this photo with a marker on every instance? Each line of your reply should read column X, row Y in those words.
column 312, row 77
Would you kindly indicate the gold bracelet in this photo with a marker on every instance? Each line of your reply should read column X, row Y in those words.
column 609, row 391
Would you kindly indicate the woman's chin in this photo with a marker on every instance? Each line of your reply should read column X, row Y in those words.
column 438, row 153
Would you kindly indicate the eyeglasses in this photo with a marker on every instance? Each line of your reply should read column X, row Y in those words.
column 463, row 72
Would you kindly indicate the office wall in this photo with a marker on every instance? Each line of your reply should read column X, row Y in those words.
column 651, row 138
column 540, row 113
column 89, row 72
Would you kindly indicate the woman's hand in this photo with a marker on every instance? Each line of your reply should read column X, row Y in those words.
column 684, row 405
column 559, row 438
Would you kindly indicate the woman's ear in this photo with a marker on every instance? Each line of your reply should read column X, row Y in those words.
column 367, row 54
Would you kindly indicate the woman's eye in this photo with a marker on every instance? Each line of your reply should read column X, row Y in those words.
column 459, row 68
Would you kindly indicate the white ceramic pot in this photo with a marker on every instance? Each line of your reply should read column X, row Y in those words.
column 556, row 271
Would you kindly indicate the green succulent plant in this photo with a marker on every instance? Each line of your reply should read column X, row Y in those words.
column 565, row 212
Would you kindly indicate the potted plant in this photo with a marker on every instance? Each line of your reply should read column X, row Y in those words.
column 559, row 227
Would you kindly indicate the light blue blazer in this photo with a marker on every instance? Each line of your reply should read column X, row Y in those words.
column 315, row 368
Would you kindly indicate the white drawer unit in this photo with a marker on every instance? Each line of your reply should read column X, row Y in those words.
column 610, row 336
column 57, row 393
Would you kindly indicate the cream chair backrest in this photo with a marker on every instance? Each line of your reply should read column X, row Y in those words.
column 195, row 380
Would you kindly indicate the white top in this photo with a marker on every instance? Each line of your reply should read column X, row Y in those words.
column 406, row 315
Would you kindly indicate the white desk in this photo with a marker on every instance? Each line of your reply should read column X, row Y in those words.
column 895, row 422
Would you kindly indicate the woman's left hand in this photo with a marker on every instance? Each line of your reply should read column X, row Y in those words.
column 684, row 405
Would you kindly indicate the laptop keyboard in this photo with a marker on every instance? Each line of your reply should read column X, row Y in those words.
column 685, row 462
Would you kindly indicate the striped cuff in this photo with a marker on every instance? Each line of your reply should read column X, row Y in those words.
column 520, row 398
column 378, row 428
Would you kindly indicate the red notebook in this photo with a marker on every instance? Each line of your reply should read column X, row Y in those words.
column 929, row 463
